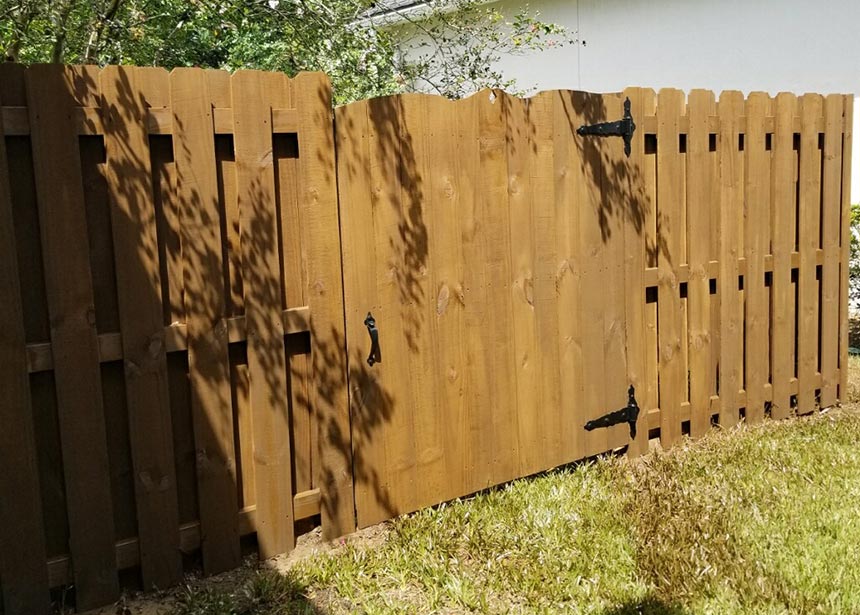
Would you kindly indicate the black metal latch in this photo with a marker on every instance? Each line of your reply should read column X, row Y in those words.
column 623, row 128
column 375, row 353
column 627, row 414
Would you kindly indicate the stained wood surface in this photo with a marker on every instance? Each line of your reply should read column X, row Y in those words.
column 700, row 181
column 52, row 91
column 830, row 222
column 369, row 404
column 22, row 541
column 253, row 95
column 756, row 235
column 126, row 93
column 845, row 239
column 195, row 298
column 670, row 105
column 784, row 195
column 208, row 359
column 320, row 232
column 445, row 310
column 493, row 214
column 730, row 108
column 809, row 228
column 635, row 259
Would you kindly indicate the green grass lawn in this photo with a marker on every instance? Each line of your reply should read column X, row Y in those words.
column 762, row 519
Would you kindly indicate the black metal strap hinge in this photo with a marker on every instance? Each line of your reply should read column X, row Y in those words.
column 623, row 128
column 628, row 414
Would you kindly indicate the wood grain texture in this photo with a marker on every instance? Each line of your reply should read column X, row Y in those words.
column 476, row 383
column 522, row 244
column 831, row 209
column 616, row 206
column 133, row 222
column 208, row 359
column 369, row 402
column 396, row 254
column 591, row 261
column 730, row 108
column 294, row 285
column 552, row 428
column 845, row 245
column 328, row 394
column 254, row 94
column 784, row 195
column 446, row 275
column 670, row 105
column 500, row 411
column 700, row 181
column 416, row 228
column 756, row 229
column 635, row 254
column 52, row 91
column 24, row 582
column 809, row 228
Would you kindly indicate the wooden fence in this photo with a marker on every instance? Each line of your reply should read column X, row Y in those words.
column 170, row 332
column 521, row 276
column 185, row 272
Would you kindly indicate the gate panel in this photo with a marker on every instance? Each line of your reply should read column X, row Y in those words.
column 488, row 242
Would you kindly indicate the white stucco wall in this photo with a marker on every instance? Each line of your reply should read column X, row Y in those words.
column 749, row 45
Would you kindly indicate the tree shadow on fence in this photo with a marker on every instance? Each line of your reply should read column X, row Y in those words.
column 174, row 257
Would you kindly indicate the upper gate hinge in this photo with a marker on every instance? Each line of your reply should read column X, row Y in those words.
column 623, row 128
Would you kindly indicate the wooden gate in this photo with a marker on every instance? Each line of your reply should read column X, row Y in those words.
column 501, row 257
column 522, row 276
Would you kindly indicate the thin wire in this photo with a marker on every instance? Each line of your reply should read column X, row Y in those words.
column 578, row 50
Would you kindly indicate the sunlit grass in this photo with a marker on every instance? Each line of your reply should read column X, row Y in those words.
column 762, row 519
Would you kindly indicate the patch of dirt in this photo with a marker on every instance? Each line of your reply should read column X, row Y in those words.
column 312, row 544
column 308, row 545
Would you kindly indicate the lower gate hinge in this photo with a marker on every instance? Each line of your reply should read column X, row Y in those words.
column 628, row 414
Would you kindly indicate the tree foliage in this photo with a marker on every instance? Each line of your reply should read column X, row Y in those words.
column 454, row 43
column 854, row 260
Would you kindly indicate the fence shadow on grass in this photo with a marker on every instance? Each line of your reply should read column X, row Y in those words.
column 647, row 606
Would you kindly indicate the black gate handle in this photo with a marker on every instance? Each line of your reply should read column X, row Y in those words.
column 375, row 354
column 627, row 414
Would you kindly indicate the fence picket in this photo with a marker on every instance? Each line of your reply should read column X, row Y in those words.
column 553, row 431
column 51, row 94
column 845, row 241
column 497, row 329
column 831, row 194
column 756, row 229
column 808, row 223
column 782, row 333
column 133, row 223
column 22, row 541
column 670, row 106
column 567, row 204
column 208, row 359
column 446, row 274
column 254, row 94
column 518, row 141
column 700, row 182
column 730, row 109
column 635, row 246
column 370, row 404
column 328, row 392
